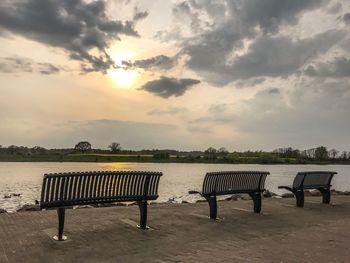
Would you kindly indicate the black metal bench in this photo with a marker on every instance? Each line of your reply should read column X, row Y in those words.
column 233, row 182
column 320, row 180
column 64, row 190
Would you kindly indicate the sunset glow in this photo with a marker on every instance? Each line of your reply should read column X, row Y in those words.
column 162, row 74
column 123, row 78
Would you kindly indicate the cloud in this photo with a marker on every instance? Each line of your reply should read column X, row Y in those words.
column 280, row 56
column 21, row 64
column 166, row 87
column 310, row 117
column 76, row 26
column 335, row 8
column 221, row 32
column 339, row 68
column 168, row 111
column 269, row 15
column 161, row 61
column 346, row 18
column 139, row 15
column 274, row 91
column 267, row 56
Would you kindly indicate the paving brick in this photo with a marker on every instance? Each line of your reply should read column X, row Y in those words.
column 183, row 233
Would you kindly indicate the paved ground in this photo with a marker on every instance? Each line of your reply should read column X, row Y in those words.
column 182, row 233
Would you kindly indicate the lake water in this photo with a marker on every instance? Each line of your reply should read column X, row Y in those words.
column 26, row 178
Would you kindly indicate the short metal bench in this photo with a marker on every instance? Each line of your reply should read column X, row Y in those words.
column 233, row 182
column 65, row 190
column 320, row 180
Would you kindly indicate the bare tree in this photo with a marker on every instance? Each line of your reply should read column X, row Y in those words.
column 115, row 147
column 344, row 155
column 333, row 153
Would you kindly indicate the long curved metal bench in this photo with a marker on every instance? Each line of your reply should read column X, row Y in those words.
column 233, row 182
column 320, row 180
column 64, row 190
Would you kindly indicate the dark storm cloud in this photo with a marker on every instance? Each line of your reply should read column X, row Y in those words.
column 161, row 61
column 166, row 87
column 346, row 18
column 20, row 64
column 339, row 68
column 270, row 14
column 74, row 25
column 281, row 56
column 267, row 56
column 231, row 23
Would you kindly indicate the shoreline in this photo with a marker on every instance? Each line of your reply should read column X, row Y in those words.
column 30, row 207
column 28, row 160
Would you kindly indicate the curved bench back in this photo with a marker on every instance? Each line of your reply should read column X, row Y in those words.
column 314, row 178
column 68, row 189
column 220, row 183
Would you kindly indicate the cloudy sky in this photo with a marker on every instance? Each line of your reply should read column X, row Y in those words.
column 243, row 74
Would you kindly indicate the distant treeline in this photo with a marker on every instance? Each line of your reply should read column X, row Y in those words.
column 83, row 151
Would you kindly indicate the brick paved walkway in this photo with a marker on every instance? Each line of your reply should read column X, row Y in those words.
column 182, row 233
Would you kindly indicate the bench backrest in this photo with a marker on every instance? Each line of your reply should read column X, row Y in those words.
column 68, row 189
column 313, row 178
column 220, row 183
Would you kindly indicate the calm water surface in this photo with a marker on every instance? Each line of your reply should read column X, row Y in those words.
column 26, row 178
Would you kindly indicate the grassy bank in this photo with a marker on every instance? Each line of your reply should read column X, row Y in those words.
column 154, row 159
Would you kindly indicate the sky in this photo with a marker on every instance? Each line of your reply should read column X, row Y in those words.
column 185, row 75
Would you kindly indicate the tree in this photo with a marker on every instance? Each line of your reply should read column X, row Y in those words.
column 222, row 151
column 115, row 147
column 333, row 153
column 321, row 153
column 13, row 149
column 83, row 147
column 210, row 153
column 344, row 155
column 38, row 150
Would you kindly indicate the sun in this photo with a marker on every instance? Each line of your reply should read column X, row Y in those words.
column 124, row 78
column 121, row 76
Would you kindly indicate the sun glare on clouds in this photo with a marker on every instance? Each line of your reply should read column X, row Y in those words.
column 122, row 77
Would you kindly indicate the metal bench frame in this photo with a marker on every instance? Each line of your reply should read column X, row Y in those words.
column 64, row 190
column 233, row 182
column 319, row 180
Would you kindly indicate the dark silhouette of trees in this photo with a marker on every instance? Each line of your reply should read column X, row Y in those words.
column 344, row 155
column 115, row 147
column 321, row 153
column 210, row 153
column 222, row 152
column 83, row 147
column 333, row 153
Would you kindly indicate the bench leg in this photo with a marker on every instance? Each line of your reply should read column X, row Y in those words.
column 143, row 214
column 212, row 206
column 257, row 201
column 61, row 215
column 299, row 195
column 326, row 195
